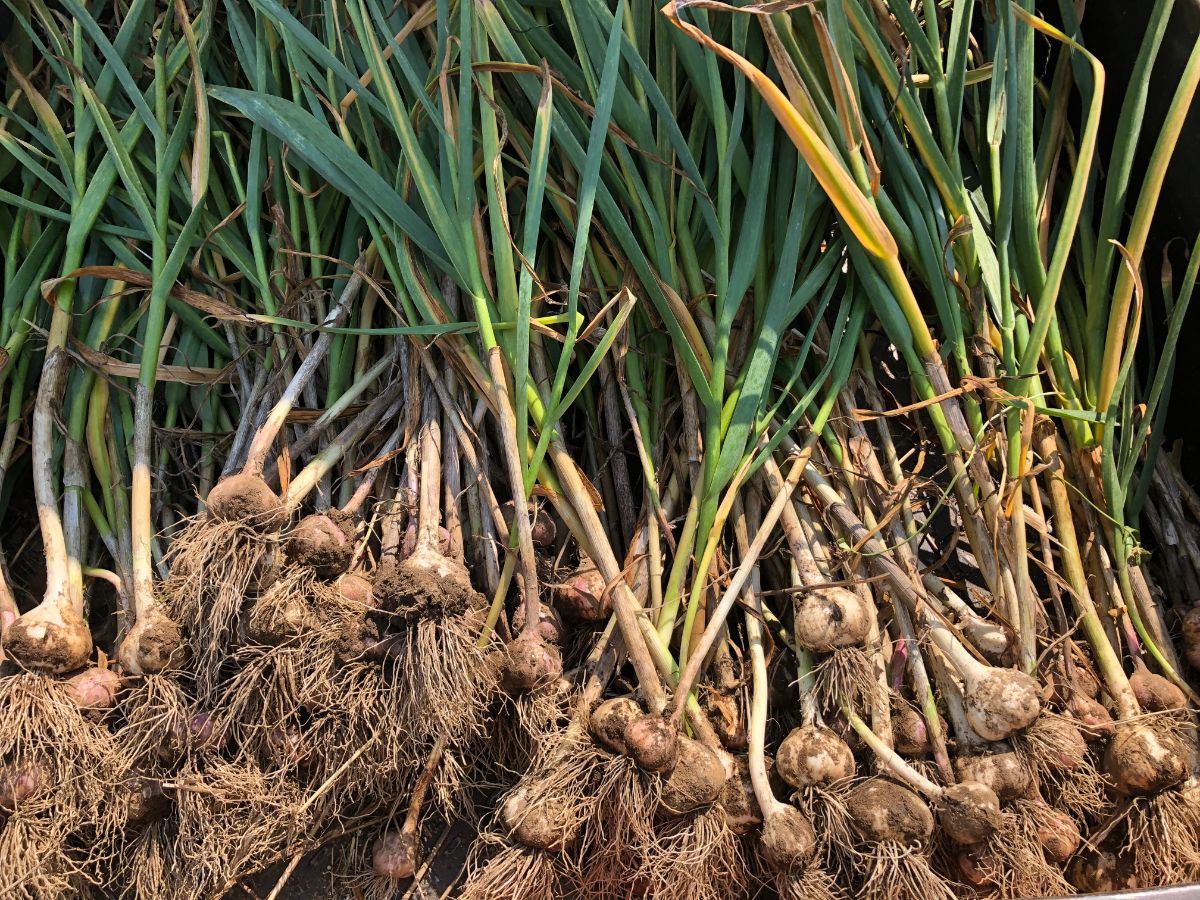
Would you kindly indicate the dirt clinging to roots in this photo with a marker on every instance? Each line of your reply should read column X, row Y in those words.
column 409, row 593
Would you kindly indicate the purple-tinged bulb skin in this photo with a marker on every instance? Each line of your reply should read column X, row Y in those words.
column 653, row 743
column 529, row 663
column 1153, row 692
column 95, row 688
column 394, row 855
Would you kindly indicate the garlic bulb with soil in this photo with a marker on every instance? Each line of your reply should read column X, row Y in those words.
column 812, row 755
column 541, row 823
column 738, row 800
column 910, row 735
column 95, row 688
column 324, row 542
column 787, row 840
column 998, row 701
column 394, row 855
column 609, row 721
column 550, row 626
column 154, row 643
column 427, row 584
column 543, row 529
column 825, row 616
column 969, row 812
column 696, row 780
column 530, row 662
column 1002, row 770
column 52, row 638
column 1144, row 759
column 244, row 497
column 883, row 811
column 653, row 743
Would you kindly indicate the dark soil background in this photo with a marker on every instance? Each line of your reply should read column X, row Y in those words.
column 312, row 879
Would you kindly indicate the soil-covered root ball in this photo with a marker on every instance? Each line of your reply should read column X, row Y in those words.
column 1142, row 759
column 530, row 662
column 882, row 811
column 95, row 688
column 394, row 855
column 610, row 719
column 544, row 823
column 830, row 618
column 498, row 868
column 427, row 585
column 1001, row 701
column 322, row 542
column 1054, row 743
column 243, row 498
column 285, row 612
column 968, row 812
column 355, row 632
column 653, row 743
column 356, row 637
column 51, row 638
column 1003, row 771
column 1155, row 693
column 787, row 839
column 812, row 755
column 695, row 782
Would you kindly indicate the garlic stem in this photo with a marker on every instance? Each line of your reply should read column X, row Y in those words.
column 736, row 584
column 759, row 712
column 891, row 759
column 260, row 447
